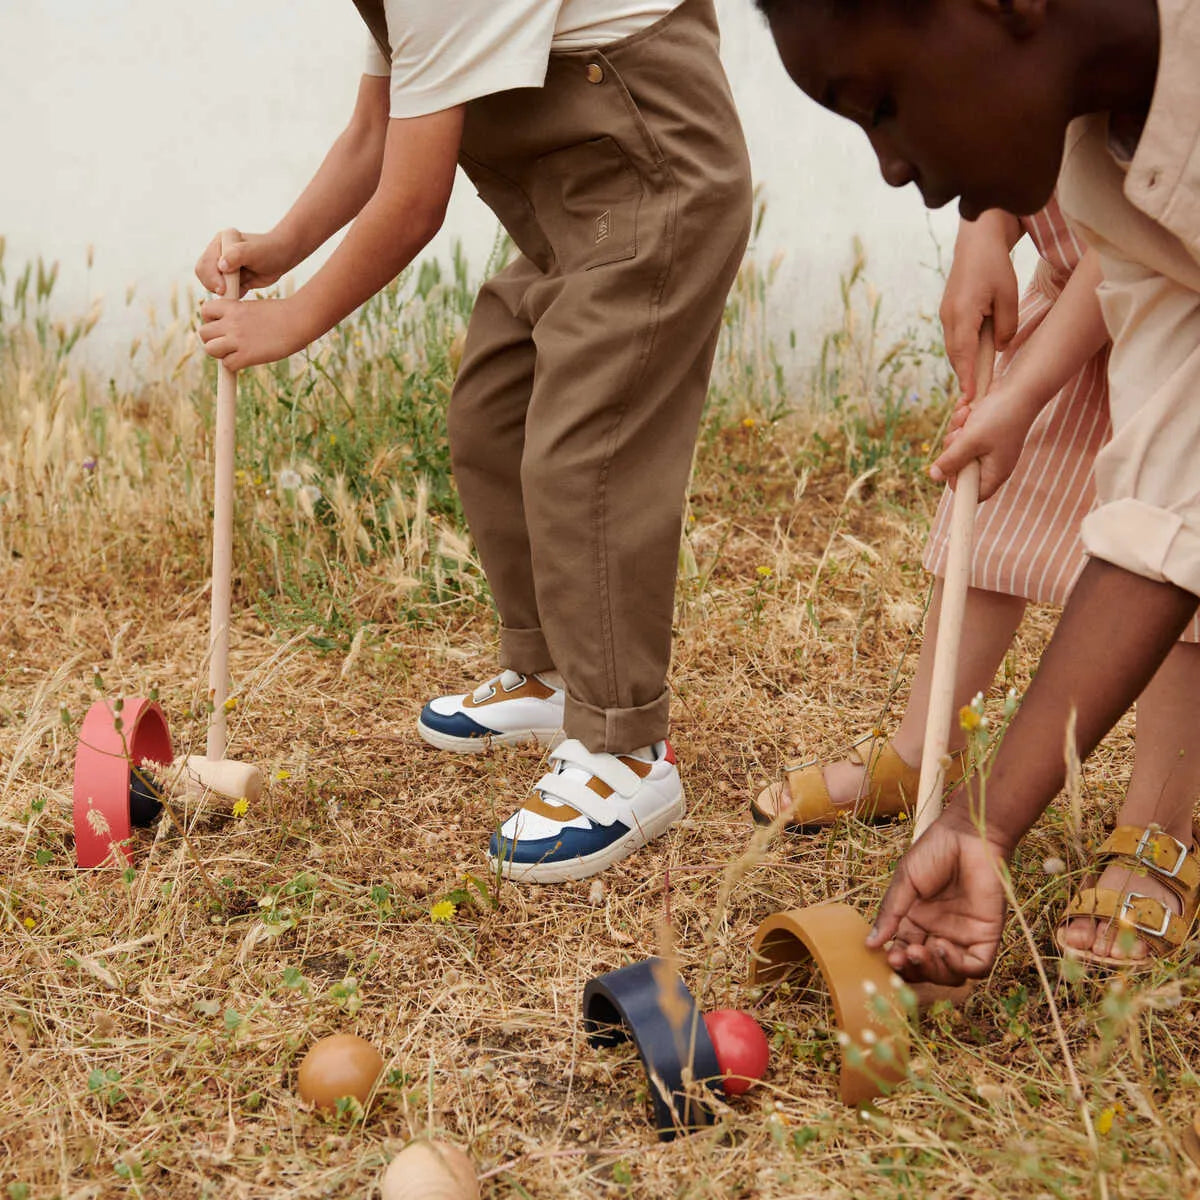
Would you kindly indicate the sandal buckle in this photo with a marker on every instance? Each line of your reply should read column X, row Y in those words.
column 1130, row 899
column 1150, row 835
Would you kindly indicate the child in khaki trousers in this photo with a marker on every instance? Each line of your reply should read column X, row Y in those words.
column 604, row 137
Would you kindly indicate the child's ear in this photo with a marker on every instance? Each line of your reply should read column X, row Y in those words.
column 1021, row 17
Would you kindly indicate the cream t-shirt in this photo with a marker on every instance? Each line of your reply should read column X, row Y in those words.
column 452, row 51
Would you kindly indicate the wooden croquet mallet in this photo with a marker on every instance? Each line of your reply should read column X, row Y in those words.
column 950, row 619
column 214, row 771
column 122, row 746
column 868, row 1013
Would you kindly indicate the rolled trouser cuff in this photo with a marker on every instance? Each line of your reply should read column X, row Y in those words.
column 617, row 730
column 1145, row 540
column 525, row 650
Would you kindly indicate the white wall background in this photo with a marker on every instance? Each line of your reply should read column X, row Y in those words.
column 140, row 127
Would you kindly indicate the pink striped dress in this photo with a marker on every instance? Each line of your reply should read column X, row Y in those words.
column 1027, row 535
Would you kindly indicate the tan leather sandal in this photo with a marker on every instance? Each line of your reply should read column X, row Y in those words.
column 1150, row 853
column 891, row 789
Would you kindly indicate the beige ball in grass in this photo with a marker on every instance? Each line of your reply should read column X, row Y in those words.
column 430, row 1171
column 338, row 1066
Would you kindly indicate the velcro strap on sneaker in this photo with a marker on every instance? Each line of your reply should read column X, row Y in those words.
column 1146, row 915
column 606, row 767
column 1156, row 850
column 573, row 793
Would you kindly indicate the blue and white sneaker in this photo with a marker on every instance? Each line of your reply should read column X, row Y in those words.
column 509, row 710
column 588, row 812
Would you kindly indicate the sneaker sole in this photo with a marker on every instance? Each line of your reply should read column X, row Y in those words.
column 592, row 864
column 478, row 745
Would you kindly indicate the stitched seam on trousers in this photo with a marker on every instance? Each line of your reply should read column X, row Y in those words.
column 637, row 371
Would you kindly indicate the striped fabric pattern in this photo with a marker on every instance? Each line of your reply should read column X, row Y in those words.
column 1027, row 535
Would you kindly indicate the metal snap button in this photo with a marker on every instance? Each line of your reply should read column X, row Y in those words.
column 595, row 73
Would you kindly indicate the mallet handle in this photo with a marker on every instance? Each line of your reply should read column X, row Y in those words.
column 950, row 620
column 222, row 548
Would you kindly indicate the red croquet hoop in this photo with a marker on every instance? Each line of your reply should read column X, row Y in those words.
column 104, row 759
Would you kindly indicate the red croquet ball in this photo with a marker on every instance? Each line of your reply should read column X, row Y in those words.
column 741, row 1046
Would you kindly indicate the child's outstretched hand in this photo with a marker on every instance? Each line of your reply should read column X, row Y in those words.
column 992, row 430
column 944, row 910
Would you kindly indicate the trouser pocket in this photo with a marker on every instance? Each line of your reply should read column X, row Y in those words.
column 587, row 198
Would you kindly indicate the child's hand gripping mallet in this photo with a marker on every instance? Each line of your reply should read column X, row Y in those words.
column 950, row 619
column 214, row 771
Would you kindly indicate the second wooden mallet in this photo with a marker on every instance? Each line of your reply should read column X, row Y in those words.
column 950, row 620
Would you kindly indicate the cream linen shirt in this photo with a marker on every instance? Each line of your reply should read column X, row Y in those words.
column 1143, row 216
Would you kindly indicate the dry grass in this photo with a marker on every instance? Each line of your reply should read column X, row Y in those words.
column 150, row 1036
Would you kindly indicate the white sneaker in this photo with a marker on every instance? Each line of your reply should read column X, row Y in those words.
column 508, row 710
column 588, row 812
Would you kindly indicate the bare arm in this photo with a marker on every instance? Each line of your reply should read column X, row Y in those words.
column 404, row 212
column 944, row 910
column 1072, row 331
column 344, row 182
column 993, row 429
column 981, row 283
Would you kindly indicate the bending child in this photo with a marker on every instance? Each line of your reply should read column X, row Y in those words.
column 604, row 138
column 1026, row 548
column 987, row 101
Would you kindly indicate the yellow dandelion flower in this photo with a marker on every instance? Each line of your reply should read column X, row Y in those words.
column 1104, row 1122
column 969, row 719
column 241, row 807
column 231, row 704
column 29, row 922
column 765, row 572
column 333, row 439
column 902, row 815
column 282, row 774
column 748, row 422
column 443, row 912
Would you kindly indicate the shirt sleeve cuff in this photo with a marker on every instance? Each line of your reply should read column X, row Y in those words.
column 414, row 101
column 1156, row 543
column 374, row 61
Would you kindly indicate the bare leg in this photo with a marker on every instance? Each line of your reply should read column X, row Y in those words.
column 990, row 621
column 1162, row 789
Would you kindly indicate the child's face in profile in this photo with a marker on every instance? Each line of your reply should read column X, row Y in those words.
column 954, row 101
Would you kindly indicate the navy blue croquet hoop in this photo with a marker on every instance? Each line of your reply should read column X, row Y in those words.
column 627, row 1003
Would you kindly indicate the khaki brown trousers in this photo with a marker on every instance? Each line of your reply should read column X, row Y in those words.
column 624, row 183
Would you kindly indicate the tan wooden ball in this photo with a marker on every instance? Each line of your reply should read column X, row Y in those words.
column 430, row 1171
column 337, row 1066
